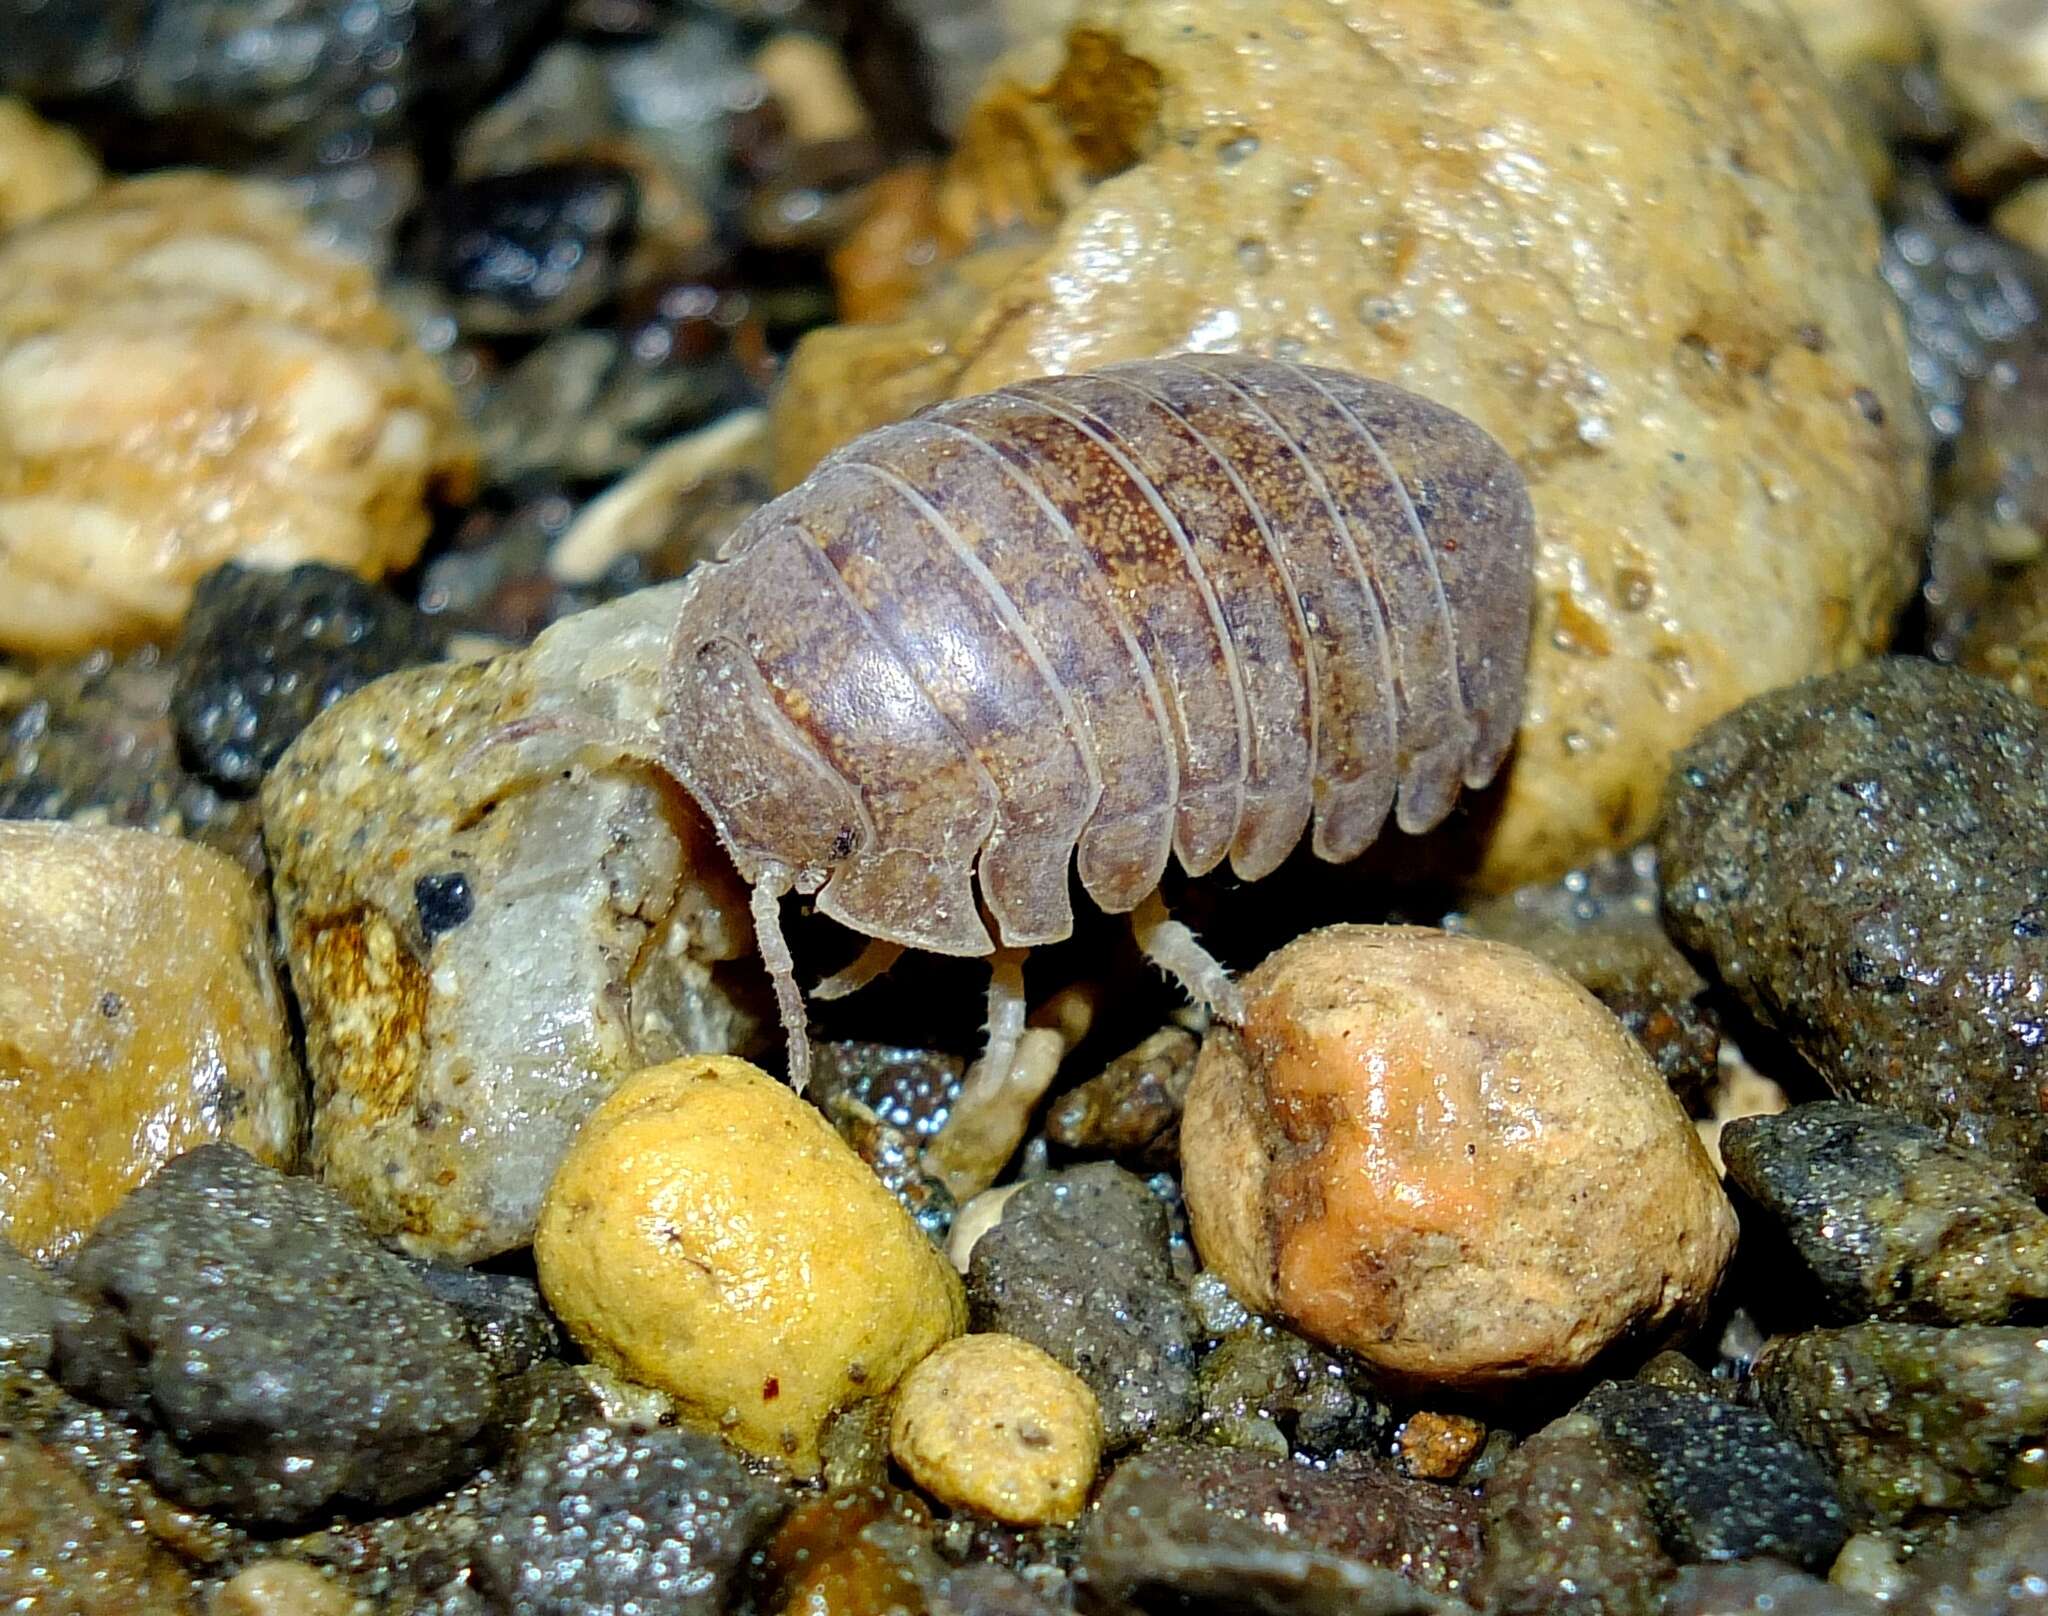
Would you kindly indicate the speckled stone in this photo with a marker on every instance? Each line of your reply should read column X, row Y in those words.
column 486, row 941
column 1078, row 1265
column 1860, row 855
column 1893, row 1220
column 1723, row 1482
column 1916, row 1422
column 605, row 1520
column 64, row 1549
column 281, row 1358
column 1569, row 1530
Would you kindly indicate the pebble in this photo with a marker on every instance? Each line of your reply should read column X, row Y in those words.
column 90, row 739
column 1412, row 1149
column 534, row 249
column 141, row 1016
column 1963, row 291
column 484, row 947
column 1723, row 1483
column 283, row 1360
column 1569, row 1530
column 1266, row 1388
column 1438, row 1447
column 1179, row 1526
column 1892, row 1220
column 503, row 1315
column 1917, row 1422
column 1079, row 1266
column 1600, row 925
column 33, row 1301
column 264, row 653
column 1860, row 857
column 186, row 378
column 64, row 1549
column 43, row 168
column 709, row 1234
column 283, row 1588
column 991, row 1423
column 888, row 1103
column 1637, row 289
column 598, row 1519
column 1131, row 1108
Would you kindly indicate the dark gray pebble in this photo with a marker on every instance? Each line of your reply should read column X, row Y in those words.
column 606, row 1522
column 265, row 653
column 1893, row 1220
column 283, row 1360
column 1723, row 1482
column 504, row 1315
column 1080, row 1265
column 1861, row 856
column 534, row 249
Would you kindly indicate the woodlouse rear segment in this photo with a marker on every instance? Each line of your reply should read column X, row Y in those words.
column 1181, row 607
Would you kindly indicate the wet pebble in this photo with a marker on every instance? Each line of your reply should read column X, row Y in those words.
column 1265, row 1387
column 140, row 1015
column 991, row 1423
column 1894, row 1221
column 65, row 1549
column 532, row 250
column 1916, row 1422
column 1408, row 1150
column 282, row 1359
column 503, row 1315
column 1569, row 1529
column 888, row 1103
column 605, row 1520
column 33, row 1301
column 709, row 1234
column 1079, row 1266
column 262, row 654
column 1131, row 1109
column 1179, row 1526
column 91, row 739
column 1860, row 857
column 1723, row 1482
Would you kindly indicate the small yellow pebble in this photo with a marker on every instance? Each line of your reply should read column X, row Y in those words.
column 991, row 1423
column 284, row 1588
column 710, row 1235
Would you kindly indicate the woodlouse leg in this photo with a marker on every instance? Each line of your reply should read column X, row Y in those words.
column 872, row 962
column 766, row 900
column 1005, row 1021
column 1169, row 944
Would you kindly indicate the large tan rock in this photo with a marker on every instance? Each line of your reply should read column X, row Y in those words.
column 486, row 941
column 1448, row 1157
column 42, row 167
column 139, row 1018
column 187, row 376
column 1627, row 238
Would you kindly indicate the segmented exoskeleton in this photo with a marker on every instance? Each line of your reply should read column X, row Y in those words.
column 1183, row 607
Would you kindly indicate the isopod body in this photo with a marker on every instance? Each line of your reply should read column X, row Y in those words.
column 1184, row 607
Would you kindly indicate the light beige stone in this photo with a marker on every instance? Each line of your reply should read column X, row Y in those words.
column 709, row 1234
column 42, row 167
column 993, row 1424
column 188, row 377
column 139, row 1018
column 1626, row 237
column 584, row 921
column 1447, row 1157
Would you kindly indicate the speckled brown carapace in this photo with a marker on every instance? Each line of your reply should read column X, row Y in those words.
column 1173, row 606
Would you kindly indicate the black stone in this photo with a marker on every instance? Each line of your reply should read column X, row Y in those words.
column 444, row 901
column 535, row 249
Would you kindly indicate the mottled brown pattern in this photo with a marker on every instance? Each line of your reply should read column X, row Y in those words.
column 1182, row 604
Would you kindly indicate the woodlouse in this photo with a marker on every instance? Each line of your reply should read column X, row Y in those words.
column 1179, row 606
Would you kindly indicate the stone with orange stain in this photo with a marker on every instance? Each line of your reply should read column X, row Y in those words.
column 1446, row 1156
column 139, row 1018
column 1437, row 1447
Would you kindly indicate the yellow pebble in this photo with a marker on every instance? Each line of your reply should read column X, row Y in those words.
column 710, row 1235
column 991, row 1423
